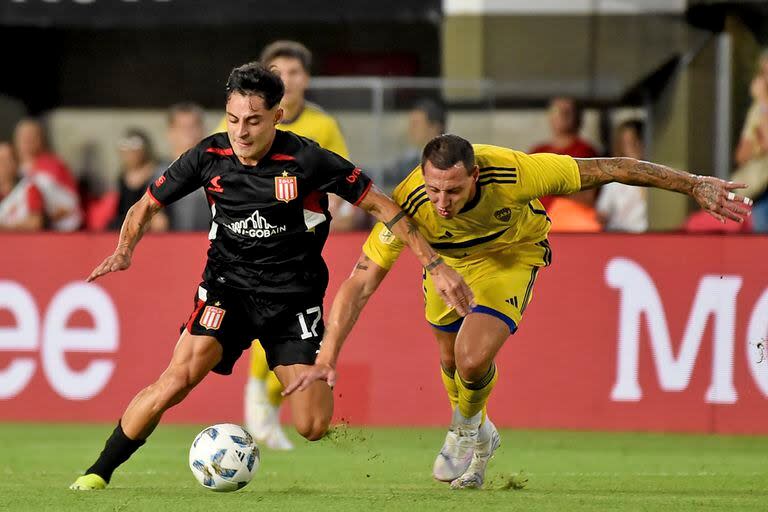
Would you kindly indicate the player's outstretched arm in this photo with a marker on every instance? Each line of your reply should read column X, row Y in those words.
column 134, row 226
column 716, row 196
column 449, row 284
column 347, row 305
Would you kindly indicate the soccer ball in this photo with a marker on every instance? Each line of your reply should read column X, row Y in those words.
column 224, row 457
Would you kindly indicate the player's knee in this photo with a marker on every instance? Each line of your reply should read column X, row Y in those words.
column 448, row 362
column 472, row 368
column 315, row 434
column 312, row 429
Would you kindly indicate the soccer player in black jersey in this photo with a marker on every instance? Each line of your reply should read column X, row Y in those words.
column 265, row 277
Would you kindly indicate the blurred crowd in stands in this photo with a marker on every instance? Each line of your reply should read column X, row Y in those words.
column 39, row 192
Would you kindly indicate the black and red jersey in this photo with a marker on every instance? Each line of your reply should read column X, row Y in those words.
column 269, row 221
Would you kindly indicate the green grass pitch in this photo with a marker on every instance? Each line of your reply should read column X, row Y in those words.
column 390, row 469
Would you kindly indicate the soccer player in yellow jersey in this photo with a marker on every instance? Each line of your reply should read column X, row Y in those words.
column 478, row 207
column 292, row 61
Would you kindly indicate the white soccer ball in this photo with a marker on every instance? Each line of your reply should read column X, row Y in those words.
column 224, row 457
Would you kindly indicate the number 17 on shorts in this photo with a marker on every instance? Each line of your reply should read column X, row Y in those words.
column 308, row 322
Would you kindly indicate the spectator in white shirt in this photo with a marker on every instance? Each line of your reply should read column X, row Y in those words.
column 624, row 207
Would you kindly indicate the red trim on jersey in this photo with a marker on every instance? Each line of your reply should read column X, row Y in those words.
column 200, row 304
column 209, row 198
column 152, row 196
column 365, row 193
column 312, row 201
column 220, row 152
column 281, row 156
column 34, row 199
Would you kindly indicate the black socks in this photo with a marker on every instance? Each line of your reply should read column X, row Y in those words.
column 117, row 450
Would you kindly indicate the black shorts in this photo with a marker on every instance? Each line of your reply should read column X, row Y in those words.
column 289, row 326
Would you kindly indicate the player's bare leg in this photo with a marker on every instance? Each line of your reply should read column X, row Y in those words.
column 478, row 341
column 446, row 342
column 312, row 408
column 454, row 457
column 193, row 358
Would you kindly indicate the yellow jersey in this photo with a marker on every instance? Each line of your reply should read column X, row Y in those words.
column 504, row 213
column 313, row 123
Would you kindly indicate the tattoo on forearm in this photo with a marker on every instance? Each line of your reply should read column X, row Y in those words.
column 433, row 264
column 650, row 170
column 130, row 233
column 634, row 172
column 395, row 220
column 362, row 263
column 661, row 176
column 412, row 227
column 126, row 234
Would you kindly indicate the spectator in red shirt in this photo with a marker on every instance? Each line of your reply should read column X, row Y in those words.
column 50, row 174
column 21, row 204
column 565, row 118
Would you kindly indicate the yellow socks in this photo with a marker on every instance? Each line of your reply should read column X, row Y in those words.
column 473, row 396
column 259, row 367
column 260, row 370
column 449, row 382
column 274, row 389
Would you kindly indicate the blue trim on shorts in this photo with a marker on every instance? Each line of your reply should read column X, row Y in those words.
column 456, row 325
column 498, row 314
column 452, row 327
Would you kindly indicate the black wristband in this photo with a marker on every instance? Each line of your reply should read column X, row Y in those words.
column 431, row 266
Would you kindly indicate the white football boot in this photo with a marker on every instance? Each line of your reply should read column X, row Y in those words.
column 456, row 454
column 262, row 419
column 488, row 440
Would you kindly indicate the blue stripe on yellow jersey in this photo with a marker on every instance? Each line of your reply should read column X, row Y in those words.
column 504, row 212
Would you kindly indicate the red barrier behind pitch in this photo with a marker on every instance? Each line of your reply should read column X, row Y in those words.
column 655, row 332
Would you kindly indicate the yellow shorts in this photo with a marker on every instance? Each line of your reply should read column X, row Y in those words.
column 502, row 283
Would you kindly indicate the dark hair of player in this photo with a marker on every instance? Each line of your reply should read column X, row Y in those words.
column 445, row 151
column 254, row 79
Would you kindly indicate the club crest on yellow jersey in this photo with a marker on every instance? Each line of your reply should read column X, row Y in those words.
column 503, row 214
column 386, row 236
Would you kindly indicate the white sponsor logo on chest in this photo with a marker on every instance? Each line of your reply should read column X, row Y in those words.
column 255, row 226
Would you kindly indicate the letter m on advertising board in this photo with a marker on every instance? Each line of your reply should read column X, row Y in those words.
column 639, row 298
